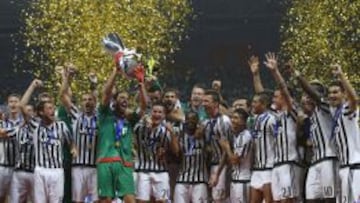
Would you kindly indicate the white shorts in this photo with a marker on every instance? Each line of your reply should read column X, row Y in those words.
column 260, row 178
column 355, row 184
column 84, row 183
column 153, row 184
column 185, row 193
column 21, row 189
column 5, row 180
column 48, row 184
column 135, row 180
column 240, row 192
column 287, row 182
column 321, row 180
column 219, row 191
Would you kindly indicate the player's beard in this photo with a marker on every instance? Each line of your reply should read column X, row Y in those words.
column 88, row 108
column 121, row 107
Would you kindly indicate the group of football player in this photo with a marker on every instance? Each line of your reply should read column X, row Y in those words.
column 150, row 147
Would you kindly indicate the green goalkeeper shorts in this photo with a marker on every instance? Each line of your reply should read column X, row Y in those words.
column 115, row 180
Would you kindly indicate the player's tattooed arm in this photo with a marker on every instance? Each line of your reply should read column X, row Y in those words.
column 353, row 98
column 254, row 67
column 107, row 89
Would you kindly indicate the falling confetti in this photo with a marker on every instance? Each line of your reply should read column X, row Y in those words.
column 318, row 33
column 57, row 31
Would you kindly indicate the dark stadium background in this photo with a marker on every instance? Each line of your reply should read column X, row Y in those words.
column 223, row 35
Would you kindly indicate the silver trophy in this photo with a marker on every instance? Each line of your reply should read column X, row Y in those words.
column 125, row 59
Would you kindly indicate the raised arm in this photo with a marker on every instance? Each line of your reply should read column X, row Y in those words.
column 140, row 76
column 30, row 90
column 349, row 89
column 93, row 84
column 64, row 89
column 306, row 86
column 272, row 64
column 254, row 67
column 107, row 89
column 27, row 95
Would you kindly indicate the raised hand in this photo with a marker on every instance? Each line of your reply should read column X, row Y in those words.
column 216, row 85
column 336, row 69
column 92, row 77
column 36, row 83
column 254, row 64
column 139, row 73
column 271, row 61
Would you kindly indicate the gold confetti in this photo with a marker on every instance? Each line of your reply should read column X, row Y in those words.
column 318, row 33
column 57, row 31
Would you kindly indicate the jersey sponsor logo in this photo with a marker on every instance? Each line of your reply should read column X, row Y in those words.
column 50, row 141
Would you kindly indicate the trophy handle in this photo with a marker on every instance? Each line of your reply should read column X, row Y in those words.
column 115, row 38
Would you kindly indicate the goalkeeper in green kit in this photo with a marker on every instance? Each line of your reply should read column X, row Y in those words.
column 114, row 147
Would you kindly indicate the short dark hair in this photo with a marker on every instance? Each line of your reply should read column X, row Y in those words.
column 319, row 88
column 158, row 103
column 264, row 98
column 191, row 113
column 44, row 94
column 170, row 89
column 337, row 83
column 242, row 113
column 247, row 101
column 14, row 95
column 214, row 94
column 119, row 92
column 41, row 104
column 198, row 85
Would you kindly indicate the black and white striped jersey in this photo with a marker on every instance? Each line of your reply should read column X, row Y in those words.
column 320, row 133
column 263, row 133
column 8, row 144
column 286, row 140
column 347, row 134
column 149, row 141
column 216, row 129
column 48, row 143
column 84, row 131
column 193, row 167
column 242, row 147
column 24, row 147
